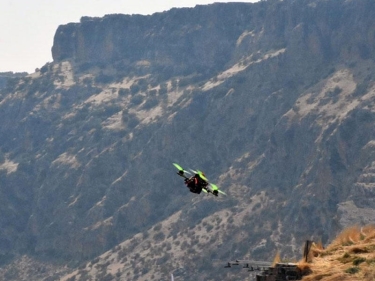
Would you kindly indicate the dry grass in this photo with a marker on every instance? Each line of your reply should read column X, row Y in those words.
column 369, row 273
column 276, row 259
column 316, row 250
column 351, row 256
column 305, row 268
column 348, row 236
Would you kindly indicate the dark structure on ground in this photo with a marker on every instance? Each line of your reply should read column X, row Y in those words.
column 281, row 272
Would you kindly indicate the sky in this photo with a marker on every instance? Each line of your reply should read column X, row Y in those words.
column 27, row 27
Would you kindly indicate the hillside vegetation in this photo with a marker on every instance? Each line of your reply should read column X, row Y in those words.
column 351, row 256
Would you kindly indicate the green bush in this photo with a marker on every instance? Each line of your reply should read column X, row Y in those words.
column 358, row 260
column 352, row 270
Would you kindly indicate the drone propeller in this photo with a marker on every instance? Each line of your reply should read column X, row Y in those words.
column 193, row 171
column 202, row 176
column 178, row 166
column 180, row 169
column 214, row 187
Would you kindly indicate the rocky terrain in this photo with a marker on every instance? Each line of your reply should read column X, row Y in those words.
column 5, row 76
column 274, row 101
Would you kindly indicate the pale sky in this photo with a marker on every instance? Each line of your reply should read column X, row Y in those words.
column 27, row 27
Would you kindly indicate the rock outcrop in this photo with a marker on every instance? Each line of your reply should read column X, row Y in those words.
column 186, row 40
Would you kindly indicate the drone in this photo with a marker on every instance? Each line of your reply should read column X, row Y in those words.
column 197, row 181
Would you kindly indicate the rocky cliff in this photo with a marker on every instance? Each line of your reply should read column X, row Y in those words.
column 182, row 40
column 273, row 100
column 6, row 76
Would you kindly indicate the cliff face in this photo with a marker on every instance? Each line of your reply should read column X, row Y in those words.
column 209, row 36
column 273, row 100
column 186, row 39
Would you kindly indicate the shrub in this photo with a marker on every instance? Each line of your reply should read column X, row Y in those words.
column 134, row 88
column 159, row 236
column 157, row 227
column 123, row 92
column 108, row 277
column 209, row 227
column 133, row 122
column 358, row 249
column 150, row 103
column 257, row 206
column 104, row 79
column 152, row 93
column 346, row 258
column 352, row 270
column 136, row 100
column 163, row 89
column 358, row 260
